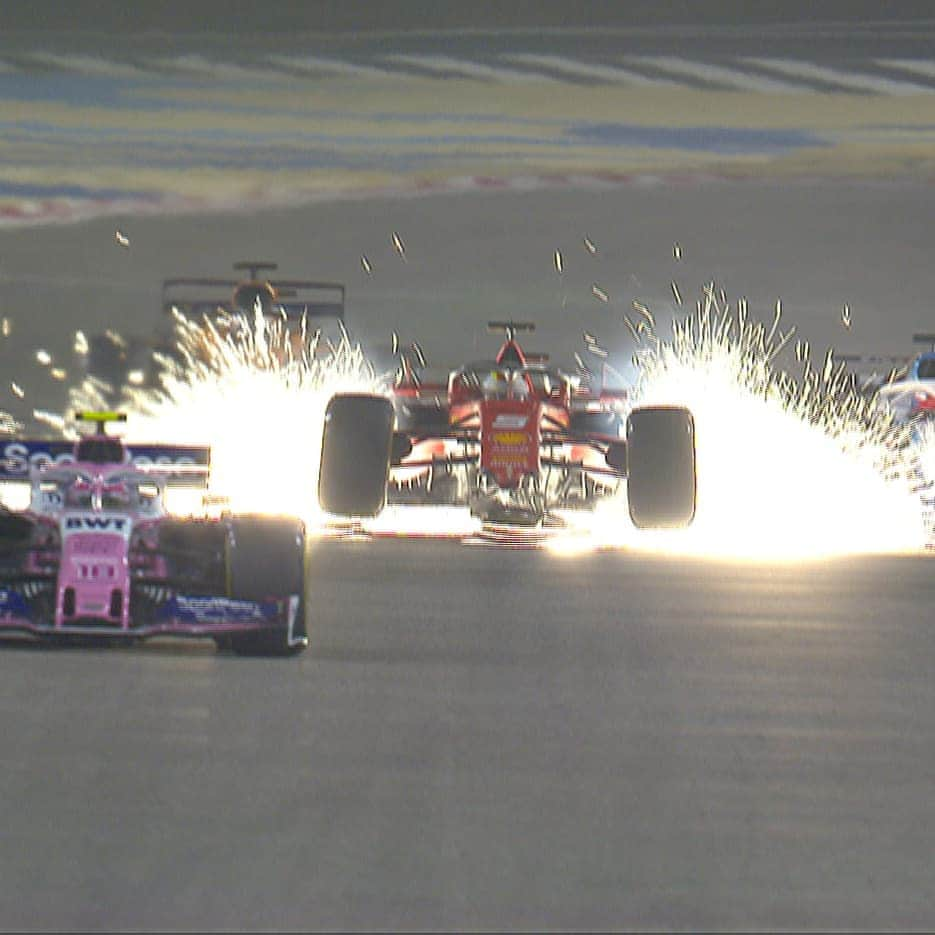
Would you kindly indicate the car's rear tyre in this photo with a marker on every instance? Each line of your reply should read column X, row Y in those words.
column 661, row 479
column 266, row 559
column 356, row 450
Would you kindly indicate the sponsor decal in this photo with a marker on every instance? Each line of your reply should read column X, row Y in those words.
column 207, row 609
column 95, row 523
column 511, row 439
column 12, row 604
column 75, row 523
column 19, row 459
column 506, row 461
column 510, row 420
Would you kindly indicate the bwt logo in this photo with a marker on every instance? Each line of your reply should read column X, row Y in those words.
column 96, row 523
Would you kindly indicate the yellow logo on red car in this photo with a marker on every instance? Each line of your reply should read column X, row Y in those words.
column 510, row 438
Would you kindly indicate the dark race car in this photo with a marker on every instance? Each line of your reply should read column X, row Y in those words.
column 222, row 306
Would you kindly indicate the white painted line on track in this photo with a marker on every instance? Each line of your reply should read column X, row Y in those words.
column 197, row 65
column 443, row 63
column 719, row 74
column 924, row 67
column 847, row 79
column 312, row 64
column 610, row 73
column 88, row 65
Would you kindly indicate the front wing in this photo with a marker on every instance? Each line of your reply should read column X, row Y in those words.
column 161, row 613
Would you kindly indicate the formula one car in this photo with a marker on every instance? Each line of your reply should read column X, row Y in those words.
column 224, row 305
column 95, row 554
column 510, row 438
column 909, row 393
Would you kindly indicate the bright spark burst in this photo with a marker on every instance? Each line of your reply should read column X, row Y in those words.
column 257, row 396
column 787, row 469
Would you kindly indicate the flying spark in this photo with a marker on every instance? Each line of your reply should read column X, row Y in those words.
column 43, row 357
column 122, row 239
column 643, row 309
column 677, row 250
column 675, row 292
column 846, row 316
column 589, row 246
column 399, row 245
column 17, row 390
column 599, row 293
column 116, row 338
column 558, row 260
column 81, row 343
column 5, row 327
column 787, row 469
column 365, row 263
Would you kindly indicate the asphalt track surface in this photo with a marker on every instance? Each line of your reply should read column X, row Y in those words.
column 481, row 740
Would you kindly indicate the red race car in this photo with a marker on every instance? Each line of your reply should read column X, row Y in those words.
column 511, row 438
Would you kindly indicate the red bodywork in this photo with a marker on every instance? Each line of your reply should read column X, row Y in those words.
column 510, row 419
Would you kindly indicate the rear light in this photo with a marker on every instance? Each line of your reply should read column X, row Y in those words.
column 116, row 602
column 923, row 401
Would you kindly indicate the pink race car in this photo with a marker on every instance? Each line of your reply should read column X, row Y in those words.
column 96, row 554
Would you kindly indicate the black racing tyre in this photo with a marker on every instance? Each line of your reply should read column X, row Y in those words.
column 15, row 539
column 266, row 559
column 195, row 552
column 356, row 449
column 661, row 480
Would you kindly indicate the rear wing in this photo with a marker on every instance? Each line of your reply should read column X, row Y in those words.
column 176, row 465
column 510, row 328
column 294, row 298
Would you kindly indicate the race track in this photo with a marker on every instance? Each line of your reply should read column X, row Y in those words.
column 481, row 738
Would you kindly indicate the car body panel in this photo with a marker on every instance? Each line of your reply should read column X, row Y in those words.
column 511, row 429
